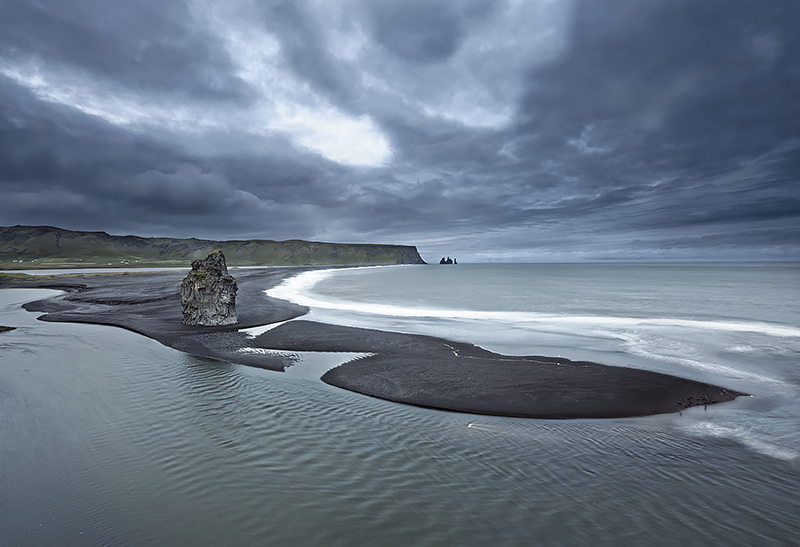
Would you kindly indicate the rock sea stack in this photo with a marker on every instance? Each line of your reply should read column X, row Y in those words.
column 208, row 293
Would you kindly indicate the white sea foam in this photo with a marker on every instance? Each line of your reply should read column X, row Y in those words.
column 264, row 351
column 252, row 332
column 298, row 290
column 741, row 348
column 674, row 341
column 747, row 437
column 636, row 345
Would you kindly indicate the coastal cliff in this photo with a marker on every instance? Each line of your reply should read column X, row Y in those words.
column 28, row 247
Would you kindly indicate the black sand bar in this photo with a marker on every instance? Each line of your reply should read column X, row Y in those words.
column 412, row 369
column 149, row 303
column 435, row 373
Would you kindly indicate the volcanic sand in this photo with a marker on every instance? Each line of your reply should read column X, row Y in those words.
column 412, row 369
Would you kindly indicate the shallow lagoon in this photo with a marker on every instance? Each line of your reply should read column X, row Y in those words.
column 111, row 438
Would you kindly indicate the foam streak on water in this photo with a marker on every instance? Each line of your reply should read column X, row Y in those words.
column 732, row 325
column 299, row 289
column 666, row 327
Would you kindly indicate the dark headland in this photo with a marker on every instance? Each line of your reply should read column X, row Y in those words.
column 29, row 247
column 418, row 370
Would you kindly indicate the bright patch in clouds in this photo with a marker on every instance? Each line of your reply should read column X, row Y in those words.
column 118, row 107
column 289, row 106
column 285, row 105
column 479, row 86
column 339, row 138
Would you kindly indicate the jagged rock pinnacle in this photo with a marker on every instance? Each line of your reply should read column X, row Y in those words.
column 208, row 293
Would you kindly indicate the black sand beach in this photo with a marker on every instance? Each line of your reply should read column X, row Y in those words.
column 412, row 369
column 149, row 303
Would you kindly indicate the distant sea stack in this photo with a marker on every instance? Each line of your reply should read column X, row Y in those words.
column 208, row 293
column 448, row 260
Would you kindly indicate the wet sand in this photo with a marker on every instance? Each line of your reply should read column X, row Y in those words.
column 412, row 369
column 149, row 303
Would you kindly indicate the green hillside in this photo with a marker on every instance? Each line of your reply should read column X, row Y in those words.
column 28, row 247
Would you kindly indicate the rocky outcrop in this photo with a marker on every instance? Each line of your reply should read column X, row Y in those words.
column 208, row 293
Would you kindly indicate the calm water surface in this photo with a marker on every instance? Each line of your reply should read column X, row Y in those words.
column 108, row 438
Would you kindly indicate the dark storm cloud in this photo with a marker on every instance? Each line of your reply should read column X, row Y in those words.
column 59, row 166
column 684, row 91
column 416, row 30
column 304, row 50
column 147, row 43
column 486, row 130
column 43, row 145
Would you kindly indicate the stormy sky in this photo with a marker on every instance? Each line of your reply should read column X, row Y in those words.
column 515, row 130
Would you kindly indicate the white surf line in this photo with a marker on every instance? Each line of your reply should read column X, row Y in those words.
column 717, row 369
column 743, row 436
column 636, row 346
column 297, row 288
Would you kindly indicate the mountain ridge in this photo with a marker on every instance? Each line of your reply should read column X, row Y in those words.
column 30, row 247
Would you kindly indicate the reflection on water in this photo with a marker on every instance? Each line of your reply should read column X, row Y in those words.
column 109, row 438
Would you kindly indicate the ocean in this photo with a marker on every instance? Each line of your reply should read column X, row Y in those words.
column 109, row 438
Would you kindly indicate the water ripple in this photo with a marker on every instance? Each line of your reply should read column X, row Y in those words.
column 110, row 436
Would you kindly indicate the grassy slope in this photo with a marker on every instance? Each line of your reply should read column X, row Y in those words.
column 54, row 247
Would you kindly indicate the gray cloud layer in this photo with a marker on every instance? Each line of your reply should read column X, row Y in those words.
column 517, row 130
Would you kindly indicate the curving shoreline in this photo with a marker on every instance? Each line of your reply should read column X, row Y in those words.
column 149, row 304
column 411, row 369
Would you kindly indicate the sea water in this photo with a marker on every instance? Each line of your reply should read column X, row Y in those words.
column 108, row 438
